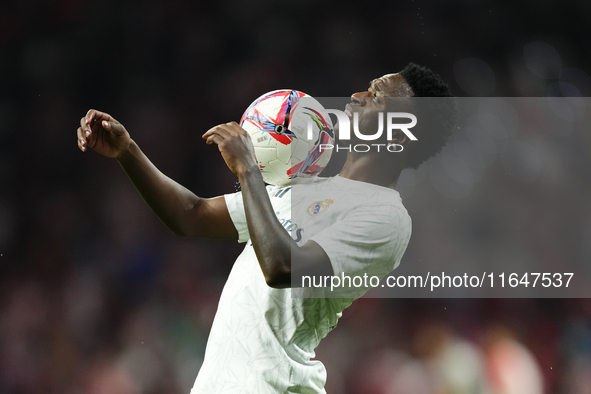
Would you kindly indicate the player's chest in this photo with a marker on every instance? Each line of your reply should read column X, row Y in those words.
column 304, row 213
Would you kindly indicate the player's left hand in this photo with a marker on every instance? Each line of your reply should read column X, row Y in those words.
column 235, row 145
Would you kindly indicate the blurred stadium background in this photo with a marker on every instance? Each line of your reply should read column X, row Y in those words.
column 97, row 297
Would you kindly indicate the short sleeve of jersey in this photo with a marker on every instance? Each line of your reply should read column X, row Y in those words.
column 369, row 239
column 236, row 209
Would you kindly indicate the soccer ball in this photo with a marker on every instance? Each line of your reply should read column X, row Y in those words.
column 278, row 124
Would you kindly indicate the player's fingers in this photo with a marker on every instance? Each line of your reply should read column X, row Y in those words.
column 219, row 130
column 90, row 115
column 113, row 126
column 215, row 138
column 93, row 116
column 81, row 139
column 209, row 132
column 93, row 113
column 233, row 128
column 85, row 127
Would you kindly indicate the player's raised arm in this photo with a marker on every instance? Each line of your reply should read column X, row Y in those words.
column 181, row 210
column 272, row 244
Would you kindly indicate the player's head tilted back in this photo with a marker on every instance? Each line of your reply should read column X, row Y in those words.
column 434, row 107
column 438, row 116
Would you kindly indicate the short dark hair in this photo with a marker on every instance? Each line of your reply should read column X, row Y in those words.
column 441, row 115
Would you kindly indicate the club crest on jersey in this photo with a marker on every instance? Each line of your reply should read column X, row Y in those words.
column 318, row 207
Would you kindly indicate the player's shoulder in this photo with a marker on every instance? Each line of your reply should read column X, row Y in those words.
column 342, row 188
column 381, row 203
column 365, row 191
column 361, row 197
column 297, row 184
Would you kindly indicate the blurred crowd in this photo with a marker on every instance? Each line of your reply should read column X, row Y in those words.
column 97, row 297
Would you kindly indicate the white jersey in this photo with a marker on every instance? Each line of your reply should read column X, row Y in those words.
column 263, row 339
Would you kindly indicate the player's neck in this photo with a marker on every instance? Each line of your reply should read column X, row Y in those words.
column 376, row 169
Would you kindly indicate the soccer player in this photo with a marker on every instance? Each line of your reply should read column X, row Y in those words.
column 263, row 339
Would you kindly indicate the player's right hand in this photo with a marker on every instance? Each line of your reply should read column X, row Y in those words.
column 103, row 133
